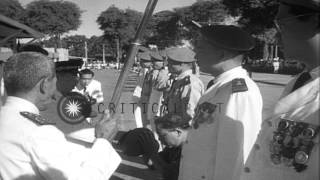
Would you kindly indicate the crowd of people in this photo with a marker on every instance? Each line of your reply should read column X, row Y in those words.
column 185, row 130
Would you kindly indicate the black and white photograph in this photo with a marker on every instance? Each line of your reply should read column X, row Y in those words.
column 159, row 89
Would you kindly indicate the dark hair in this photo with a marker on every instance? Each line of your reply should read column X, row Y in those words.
column 86, row 71
column 172, row 121
column 24, row 70
column 33, row 48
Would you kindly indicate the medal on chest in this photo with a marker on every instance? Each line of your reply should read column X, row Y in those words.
column 292, row 144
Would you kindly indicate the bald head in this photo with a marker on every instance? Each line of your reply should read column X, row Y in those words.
column 24, row 70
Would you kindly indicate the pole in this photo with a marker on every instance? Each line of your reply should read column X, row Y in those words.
column 85, row 51
column 131, row 55
column 103, row 53
column 118, row 52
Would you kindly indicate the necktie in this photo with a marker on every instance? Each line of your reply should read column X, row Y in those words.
column 302, row 79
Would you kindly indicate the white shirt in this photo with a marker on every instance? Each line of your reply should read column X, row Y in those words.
column 228, row 124
column 42, row 152
column 301, row 105
column 93, row 89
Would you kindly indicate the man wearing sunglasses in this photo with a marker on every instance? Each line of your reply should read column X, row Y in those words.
column 287, row 147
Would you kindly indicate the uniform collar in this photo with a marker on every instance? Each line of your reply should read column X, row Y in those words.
column 184, row 74
column 315, row 73
column 232, row 73
column 22, row 104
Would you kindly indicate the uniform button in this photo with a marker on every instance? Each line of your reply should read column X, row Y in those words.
column 203, row 177
column 246, row 169
column 256, row 146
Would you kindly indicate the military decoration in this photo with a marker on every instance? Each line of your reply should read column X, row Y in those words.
column 292, row 144
column 204, row 113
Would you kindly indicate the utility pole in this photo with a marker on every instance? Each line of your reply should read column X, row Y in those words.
column 85, row 52
column 103, row 53
column 118, row 53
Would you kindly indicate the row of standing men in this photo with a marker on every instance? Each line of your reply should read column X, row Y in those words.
column 227, row 138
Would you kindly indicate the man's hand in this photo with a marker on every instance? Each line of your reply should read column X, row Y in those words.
column 106, row 128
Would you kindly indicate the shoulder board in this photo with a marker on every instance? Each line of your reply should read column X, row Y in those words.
column 239, row 85
column 37, row 119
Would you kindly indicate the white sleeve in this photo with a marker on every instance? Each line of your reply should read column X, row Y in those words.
column 55, row 157
column 246, row 107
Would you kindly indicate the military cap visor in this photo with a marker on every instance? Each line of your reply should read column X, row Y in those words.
column 312, row 4
column 228, row 37
column 156, row 56
column 145, row 56
column 181, row 54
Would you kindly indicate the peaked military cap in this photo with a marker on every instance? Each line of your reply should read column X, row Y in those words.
column 228, row 37
column 144, row 56
column 156, row 56
column 312, row 4
column 181, row 54
column 139, row 141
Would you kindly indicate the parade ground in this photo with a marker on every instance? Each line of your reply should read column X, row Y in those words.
column 132, row 168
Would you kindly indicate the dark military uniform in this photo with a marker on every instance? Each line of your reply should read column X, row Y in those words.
column 142, row 92
column 186, row 88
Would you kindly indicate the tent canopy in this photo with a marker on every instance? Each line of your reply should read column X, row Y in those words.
column 10, row 28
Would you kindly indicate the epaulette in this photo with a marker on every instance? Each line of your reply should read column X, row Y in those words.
column 239, row 85
column 36, row 118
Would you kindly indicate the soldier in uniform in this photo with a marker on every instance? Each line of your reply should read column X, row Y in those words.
column 228, row 115
column 159, row 76
column 287, row 147
column 186, row 88
column 142, row 91
column 31, row 146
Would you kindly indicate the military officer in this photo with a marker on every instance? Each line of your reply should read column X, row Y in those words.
column 287, row 147
column 31, row 146
column 228, row 115
column 142, row 91
column 159, row 76
column 186, row 88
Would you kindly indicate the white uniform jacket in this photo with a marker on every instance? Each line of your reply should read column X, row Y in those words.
column 93, row 89
column 225, row 126
column 32, row 151
column 297, row 162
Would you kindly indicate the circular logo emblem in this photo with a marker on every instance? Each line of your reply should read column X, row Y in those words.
column 74, row 108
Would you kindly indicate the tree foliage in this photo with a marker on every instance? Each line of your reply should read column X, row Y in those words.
column 11, row 9
column 53, row 18
column 119, row 24
column 171, row 27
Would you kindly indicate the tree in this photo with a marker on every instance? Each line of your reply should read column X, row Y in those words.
column 165, row 29
column 53, row 18
column 95, row 45
column 171, row 27
column 119, row 24
column 75, row 44
column 257, row 18
column 11, row 9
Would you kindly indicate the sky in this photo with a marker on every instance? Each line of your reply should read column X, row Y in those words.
column 93, row 8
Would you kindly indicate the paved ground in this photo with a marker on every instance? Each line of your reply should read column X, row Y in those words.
column 271, row 85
